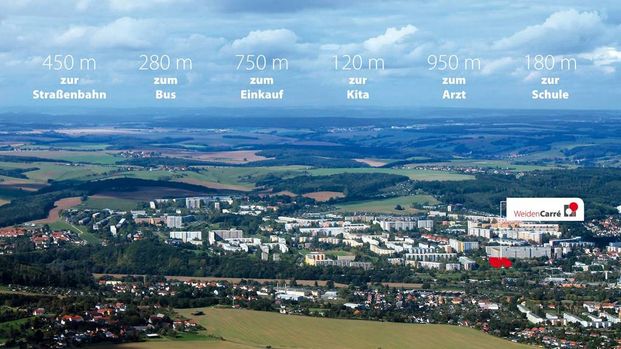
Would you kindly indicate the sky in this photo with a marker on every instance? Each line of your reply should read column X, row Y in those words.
column 309, row 34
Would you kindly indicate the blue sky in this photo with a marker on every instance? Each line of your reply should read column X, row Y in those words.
column 308, row 34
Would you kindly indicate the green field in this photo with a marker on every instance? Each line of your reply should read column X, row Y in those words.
column 166, row 343
column 46, row 171
column 251, row 329
column 60, row 172
column 414, row 174
column 244, row 175
column 92, row 157
column 80, row 230
column 388, row 205
column 99, row 203
column 77, row 146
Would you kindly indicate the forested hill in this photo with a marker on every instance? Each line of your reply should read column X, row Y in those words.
column 37, row 205
column 352, row 185
column 600, row 188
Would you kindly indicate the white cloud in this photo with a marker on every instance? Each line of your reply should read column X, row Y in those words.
column 265, row 39
column 9, row 36
column 71, row 35
column 605, row 55
column 132, row 5
column 531, row 76
column 123, row 33
column 391, row 37
column 494, row 65
column 604, row 58
column 195, row 42
column 82, row 5
column 567, row 31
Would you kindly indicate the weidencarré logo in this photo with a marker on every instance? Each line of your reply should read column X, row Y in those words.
column 571, row 210
column 545, row 209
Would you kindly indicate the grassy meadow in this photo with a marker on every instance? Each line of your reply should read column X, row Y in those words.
column 388, row 205
column 231, row 329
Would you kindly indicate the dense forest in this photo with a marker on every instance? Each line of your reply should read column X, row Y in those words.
column 34, row 206
column 600, row 188
column 16, row 172
column 320, row 156
column 354, row 185
column 71, row 267
column 44, row 271
column 26, row 159
column 592, row 152
column 37, row 205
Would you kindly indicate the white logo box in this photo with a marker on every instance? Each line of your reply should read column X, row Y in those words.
column 545, row 209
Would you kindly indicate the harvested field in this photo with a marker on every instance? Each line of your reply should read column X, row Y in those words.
column 324, row 195
column 372, row 162
column 213, row 185
column 59, row 205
